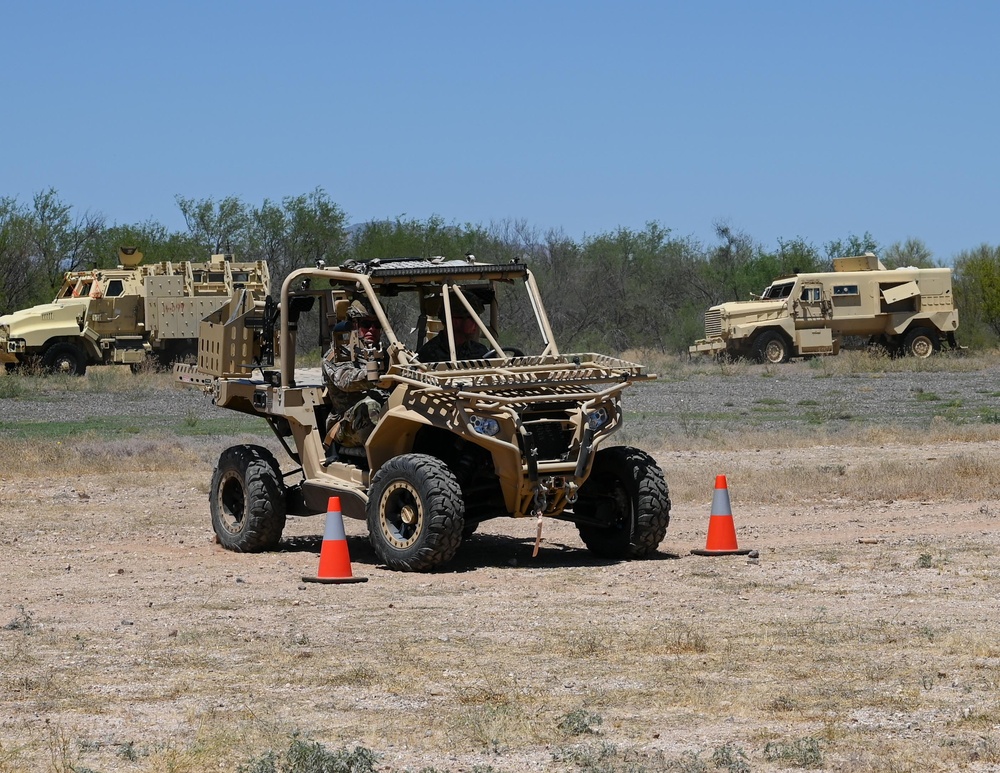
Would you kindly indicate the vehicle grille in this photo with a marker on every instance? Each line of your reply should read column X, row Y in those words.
column 552, row 440
column 551, row 433
column 713, row 323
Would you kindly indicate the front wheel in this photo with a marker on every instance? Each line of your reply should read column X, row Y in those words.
column 248, row 500
column 771, row 347
column 415, row 513
column 65, row 358
column 624, row 505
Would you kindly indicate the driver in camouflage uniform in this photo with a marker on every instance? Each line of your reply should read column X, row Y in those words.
column 357, row 403
column 467, row 343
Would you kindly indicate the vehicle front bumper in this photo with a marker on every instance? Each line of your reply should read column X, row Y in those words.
column 707, row 346
column 10, row 349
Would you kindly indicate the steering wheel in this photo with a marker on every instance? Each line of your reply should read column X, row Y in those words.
column 513, row 351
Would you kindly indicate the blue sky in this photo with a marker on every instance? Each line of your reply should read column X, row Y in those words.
column 783, row 119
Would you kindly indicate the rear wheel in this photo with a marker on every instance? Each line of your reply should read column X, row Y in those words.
column 921, row 342
column 627, row 493
column 415, row 513
column 179, row 351
column 247, row 500
column 64, row 357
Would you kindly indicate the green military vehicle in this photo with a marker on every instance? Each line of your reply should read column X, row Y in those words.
column 127, row 314
column 523, row 432
column 907, row 311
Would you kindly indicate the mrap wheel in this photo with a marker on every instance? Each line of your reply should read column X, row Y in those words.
column 64, row 357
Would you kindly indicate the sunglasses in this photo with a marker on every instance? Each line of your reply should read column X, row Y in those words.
column 368, row 324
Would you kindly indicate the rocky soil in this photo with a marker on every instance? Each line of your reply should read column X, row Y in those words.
column 861, row 637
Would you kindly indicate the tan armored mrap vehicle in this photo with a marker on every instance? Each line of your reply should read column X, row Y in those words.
column 126, row 314
column 522, row 431
column 904, row 311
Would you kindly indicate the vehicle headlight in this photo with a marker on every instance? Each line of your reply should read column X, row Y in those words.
column 485, row 425
column 597, row 419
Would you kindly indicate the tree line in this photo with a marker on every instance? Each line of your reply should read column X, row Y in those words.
column 617, row 290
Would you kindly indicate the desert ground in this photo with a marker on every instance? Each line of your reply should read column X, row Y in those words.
column 862, row 634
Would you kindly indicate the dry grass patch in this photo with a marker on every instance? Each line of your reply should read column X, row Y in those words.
column 33, row 384
column 732, row 438
column 83, row 456
column 850, row 362
column 763, row 468
column 970, row 476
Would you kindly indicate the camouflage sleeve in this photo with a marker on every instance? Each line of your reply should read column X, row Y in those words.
column 345, row 376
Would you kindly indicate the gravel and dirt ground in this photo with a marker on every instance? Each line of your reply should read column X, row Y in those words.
column 862, row 636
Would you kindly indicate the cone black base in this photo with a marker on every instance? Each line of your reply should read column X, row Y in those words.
column 740, row 552
column 334, row 580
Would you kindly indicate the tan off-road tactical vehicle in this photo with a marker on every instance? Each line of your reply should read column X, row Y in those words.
column 124, row 315
column 904, row 311
column 522, row 432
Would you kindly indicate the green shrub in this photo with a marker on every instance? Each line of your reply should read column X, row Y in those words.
column 579, row 722
column 304, row 756
column 801, row 753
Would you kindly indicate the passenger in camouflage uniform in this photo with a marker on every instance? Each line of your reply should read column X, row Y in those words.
column 357, row 403
column 467, row 343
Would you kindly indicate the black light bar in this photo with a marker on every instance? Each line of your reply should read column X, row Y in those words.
column 404, row 269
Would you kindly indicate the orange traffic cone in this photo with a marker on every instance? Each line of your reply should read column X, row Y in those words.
column 334, row 561
column 721, row 531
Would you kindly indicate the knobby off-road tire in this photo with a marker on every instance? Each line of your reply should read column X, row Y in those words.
column 247, row 500
column 66, row 358
column 921, row 342
column 415, row 513
column 770, row 347
column 627, row 485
